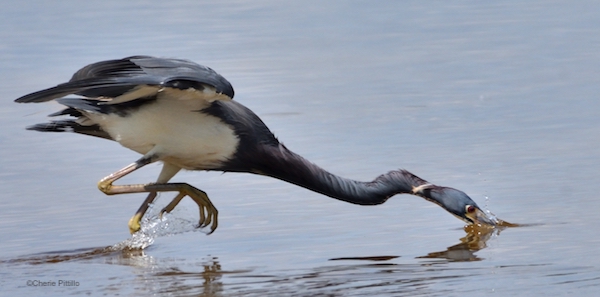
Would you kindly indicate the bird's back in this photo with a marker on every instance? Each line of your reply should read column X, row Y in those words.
column 147, row 103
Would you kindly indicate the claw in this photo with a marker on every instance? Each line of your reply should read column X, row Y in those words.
column 208, row 212
column 202, row 220
column 212, row 218
column 166, row 209
column 134, row 223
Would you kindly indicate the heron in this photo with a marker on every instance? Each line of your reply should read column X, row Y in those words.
column 183, row 114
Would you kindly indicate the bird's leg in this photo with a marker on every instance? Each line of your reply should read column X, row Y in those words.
column 134, row 222
column 167, row 172
column 208, row 212
column 201, row 199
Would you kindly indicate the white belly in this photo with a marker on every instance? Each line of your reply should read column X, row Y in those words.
column 177, row 132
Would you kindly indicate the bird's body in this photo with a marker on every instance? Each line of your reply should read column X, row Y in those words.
column 182, row 114
column 176, row 129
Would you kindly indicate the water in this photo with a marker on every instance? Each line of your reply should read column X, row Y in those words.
column 498, row 100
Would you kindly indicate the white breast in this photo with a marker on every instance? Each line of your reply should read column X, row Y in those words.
column 175, row 128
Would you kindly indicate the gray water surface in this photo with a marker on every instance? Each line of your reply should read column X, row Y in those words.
column 496, row 99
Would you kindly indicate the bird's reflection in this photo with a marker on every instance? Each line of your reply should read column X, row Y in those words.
column 475, row 239
column 464, row 251
column 206, row 277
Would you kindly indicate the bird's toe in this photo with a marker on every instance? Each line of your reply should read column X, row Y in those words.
column 134, row 223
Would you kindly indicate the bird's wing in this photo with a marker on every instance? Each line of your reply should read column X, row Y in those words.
column 131, row 78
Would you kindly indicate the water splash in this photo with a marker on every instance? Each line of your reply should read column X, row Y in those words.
column 154, row 226
column 129, row 251
column 498, row 223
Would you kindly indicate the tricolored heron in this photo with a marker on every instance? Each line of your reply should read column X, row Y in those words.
column 182, row 114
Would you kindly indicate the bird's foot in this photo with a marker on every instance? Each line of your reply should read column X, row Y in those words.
column 134, row 223
column 208, row 212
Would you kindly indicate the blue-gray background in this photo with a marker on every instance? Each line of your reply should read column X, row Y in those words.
column 497, row 99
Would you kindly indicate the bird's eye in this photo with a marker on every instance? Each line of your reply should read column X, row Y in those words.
column 470, row 208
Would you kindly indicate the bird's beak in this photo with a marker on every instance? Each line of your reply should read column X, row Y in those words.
column 480, row 217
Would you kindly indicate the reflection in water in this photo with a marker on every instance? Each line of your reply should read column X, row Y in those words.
column 372, row 258
column 362, row 275
column 208, row 278
column 150, row 274
column 152, row 227
column 133, row 247
column 475, row 240
column 202, row 278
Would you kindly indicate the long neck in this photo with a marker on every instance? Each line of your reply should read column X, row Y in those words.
column 260, row 152
column 283, row 164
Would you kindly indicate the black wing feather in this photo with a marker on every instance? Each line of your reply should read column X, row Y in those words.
column 70, row 126
column 116, row 77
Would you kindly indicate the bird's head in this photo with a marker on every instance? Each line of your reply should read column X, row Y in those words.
column 456, row 202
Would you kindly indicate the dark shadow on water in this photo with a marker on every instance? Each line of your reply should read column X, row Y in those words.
column 362, row 274
column 72, row 255
column 475, row 240
column 464, row 251
column 152, row 228
column 371, row 258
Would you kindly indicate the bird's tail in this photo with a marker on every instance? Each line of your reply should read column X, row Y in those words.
column 70, row 126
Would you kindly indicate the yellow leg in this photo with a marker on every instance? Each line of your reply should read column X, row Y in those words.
column 204, row 203
column 208, row 212
column 134, row 222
